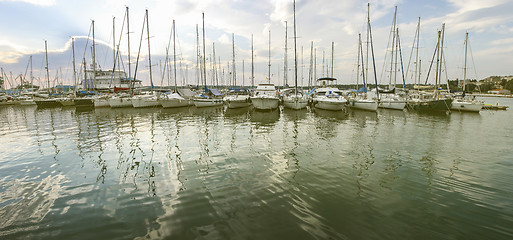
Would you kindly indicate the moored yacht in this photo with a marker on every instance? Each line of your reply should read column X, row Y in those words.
column 237, row 98
column 328, row 98
column 265, row 97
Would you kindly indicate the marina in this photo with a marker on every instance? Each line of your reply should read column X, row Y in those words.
column 256, row 120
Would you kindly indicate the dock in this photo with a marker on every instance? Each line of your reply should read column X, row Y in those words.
column 495, row 107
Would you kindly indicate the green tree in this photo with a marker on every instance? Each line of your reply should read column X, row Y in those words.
column 486, row 87
column 504, row 82
column 509, row 85
column 470, row 87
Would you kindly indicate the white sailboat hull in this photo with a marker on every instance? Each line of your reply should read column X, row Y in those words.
column 240, row 101
column 175, row 103
column 120, row 102
column 142, row 102
column 363, row 104
column 27, row 102
column 295, row 102
column 208, row 102
column 101, row 103
column 468, row 106
column 397, row 105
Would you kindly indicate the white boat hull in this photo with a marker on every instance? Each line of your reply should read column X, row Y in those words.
column 265, row 103
column 145, row 102
column 397, row 105
column 28, row 102
column 120, row 102
column 208, row 102
column 466, row 106
column 175, row 103
column 238, row 104
column 367, row 105
column 330, row 105
column 295, row 103
column 101, row 103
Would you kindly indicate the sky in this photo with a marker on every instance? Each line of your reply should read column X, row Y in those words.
column 27, row 24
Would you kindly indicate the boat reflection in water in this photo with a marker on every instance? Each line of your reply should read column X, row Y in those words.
column 295, row 115
column 265, row 117
column 339, row 115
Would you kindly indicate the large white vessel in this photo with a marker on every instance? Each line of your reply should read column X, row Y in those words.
column 266, row 97
column 104, row 80
column 328, row 98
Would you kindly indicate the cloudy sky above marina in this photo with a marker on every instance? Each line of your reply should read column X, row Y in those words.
column 27, row 23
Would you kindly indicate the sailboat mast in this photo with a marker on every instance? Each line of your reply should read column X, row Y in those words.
column 465, row 66
column 47, row 73
column 204, row 56
column 332, row 57
column 94, row 59
column 392, row 47
column 373, row 59
column 214, row 69
column 310, row 71
column 74, row 68
column 233, row 61
column 295, row 51
column 368, row 41
column 417, row 74
column 442, row 55
column 252, row 64
column 149, row 51
column 285, row 61
column 31, row 73
column 358, row 61
column 113, row 42
column 128, row 40
column 269, row 71
column 198, row 69
column 174, row 54
column 437, row 64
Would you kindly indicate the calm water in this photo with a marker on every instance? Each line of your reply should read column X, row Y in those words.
column 221, row 174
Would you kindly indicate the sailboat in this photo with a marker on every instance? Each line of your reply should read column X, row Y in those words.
column 266, row 96
column 148, row 99
column 50, row 101
column 434, row 101
column 180, row 97
column 236, row 97
column 124, row 99
column 295, row 99
column 391, row 99
column 462, row 103
column 210, row 97
column 359, row 99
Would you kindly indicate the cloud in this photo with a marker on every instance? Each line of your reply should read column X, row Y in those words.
column 471, row 5
column 34, row 2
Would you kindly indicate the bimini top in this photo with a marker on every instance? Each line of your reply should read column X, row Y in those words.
column 215, row 92
column 327, row 79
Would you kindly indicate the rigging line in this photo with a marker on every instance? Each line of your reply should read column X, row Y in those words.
column 167, row 58
column 118, row 56
column 431, row 65
column 139, row 51
column 87, row 41
column 472, row 57
column 411, row 53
